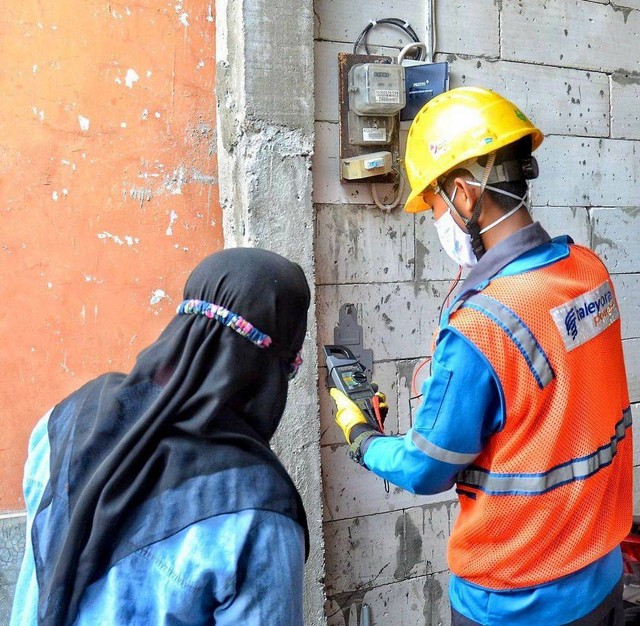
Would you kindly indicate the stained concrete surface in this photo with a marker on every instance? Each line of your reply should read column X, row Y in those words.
column 12, row 538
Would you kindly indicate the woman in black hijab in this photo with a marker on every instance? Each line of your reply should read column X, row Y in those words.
column 162, row 502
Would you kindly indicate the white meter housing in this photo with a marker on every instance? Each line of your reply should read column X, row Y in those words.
column 376, row 89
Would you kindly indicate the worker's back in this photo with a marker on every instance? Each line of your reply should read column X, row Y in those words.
column 551, row 492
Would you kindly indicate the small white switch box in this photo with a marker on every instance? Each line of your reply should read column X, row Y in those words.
column 365, row 165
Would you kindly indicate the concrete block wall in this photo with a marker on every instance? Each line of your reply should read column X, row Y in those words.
column 572, row 65
column 12, row 541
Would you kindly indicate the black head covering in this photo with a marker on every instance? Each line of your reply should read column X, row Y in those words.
column 136, row 458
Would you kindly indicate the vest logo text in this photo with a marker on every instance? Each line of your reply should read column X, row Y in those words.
column 586, row 316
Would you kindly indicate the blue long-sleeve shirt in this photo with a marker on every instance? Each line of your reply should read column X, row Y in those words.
column 239, row 568
column 462, row 406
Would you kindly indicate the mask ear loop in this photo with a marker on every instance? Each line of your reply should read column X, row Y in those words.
column 505, row 216
column 523, row 203
column 472, row 225
column 449, row 202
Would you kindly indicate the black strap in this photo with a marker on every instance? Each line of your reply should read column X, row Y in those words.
column 474, row 229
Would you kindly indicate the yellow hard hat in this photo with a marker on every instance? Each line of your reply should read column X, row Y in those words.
column 455, row 127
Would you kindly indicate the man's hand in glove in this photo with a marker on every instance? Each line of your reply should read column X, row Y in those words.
column 353, row 422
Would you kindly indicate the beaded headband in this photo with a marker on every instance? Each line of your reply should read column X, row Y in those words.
column 226, row 317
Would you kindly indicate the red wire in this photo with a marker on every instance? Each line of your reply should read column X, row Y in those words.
column 452, row 286
column 375, row 401
column 414, row 391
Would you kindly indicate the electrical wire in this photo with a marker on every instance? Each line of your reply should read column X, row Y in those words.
column 452, row 286
column 414, row 378
column 404, row 26
column 391, row 21
column 427, row 359
column 410, row 46
column 396, row 201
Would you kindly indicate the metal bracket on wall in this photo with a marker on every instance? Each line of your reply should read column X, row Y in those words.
column 349, row 333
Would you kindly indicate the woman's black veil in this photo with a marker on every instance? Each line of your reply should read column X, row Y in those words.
column 136, row 458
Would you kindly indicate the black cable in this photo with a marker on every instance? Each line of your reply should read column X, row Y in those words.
column 398, row 23
column 474, row 229
column 404, row 26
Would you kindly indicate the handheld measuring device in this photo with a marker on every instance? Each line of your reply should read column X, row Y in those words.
column 347, row 374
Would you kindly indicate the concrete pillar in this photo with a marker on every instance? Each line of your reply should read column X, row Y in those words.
column 264, row 88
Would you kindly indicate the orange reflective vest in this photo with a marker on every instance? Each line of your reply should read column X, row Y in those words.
column 552, row 491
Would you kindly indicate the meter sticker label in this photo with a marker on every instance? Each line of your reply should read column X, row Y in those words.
column 374, row 134
column 388, row 96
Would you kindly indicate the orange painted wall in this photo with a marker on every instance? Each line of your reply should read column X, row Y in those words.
column 108, row 193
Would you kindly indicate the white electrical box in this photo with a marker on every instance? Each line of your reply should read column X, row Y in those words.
column 365, row 165
column 376, row 89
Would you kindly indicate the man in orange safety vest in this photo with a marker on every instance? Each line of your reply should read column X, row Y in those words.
column 527, row 408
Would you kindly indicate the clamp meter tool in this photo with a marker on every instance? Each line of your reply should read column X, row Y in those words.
column 347, row 374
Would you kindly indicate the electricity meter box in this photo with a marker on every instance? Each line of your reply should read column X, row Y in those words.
column 371, row 95
column 376, row 89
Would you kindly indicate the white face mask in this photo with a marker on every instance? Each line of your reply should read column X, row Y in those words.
column 455, row 242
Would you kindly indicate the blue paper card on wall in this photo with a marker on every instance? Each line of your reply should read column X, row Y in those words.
column 422, row 82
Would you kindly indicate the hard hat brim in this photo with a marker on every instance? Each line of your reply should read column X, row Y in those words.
column 416, row 204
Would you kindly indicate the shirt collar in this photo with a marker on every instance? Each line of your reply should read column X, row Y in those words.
column 500, row 255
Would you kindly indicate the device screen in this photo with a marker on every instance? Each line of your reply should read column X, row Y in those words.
column 352, row 379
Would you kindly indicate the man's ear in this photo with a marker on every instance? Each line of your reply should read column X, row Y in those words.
column 466, row 196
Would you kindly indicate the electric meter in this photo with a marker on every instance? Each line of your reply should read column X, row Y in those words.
column 376, row 89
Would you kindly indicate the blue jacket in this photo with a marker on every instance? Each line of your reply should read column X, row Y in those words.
column 239, row 568
column 462, row 406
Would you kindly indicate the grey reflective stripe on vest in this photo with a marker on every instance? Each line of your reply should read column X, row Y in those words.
column 441, row 454
column 533, row 484
column 518, row 332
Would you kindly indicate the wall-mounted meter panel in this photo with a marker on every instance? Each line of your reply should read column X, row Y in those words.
column 371, row 95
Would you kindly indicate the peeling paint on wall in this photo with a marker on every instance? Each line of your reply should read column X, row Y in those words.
column 131, row 78
column 106, row 136
column 174, row 184
column 127, row 239
column 139, row 194
column 172, row 220
column 157, row 296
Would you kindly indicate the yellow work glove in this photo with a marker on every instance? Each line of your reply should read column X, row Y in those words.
column 348, row 414
column 352, row 421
